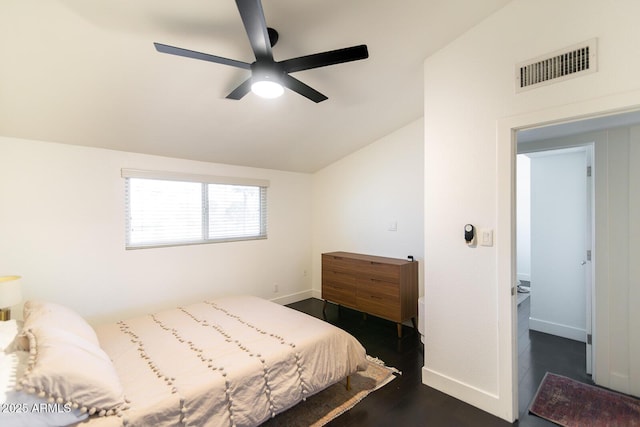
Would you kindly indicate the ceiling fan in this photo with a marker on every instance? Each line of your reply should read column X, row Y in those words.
column 267, row 75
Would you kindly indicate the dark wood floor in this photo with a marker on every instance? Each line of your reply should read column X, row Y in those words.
column 407, row 402
column 539, row 353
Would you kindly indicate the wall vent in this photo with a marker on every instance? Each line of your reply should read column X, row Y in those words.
column 567, row 63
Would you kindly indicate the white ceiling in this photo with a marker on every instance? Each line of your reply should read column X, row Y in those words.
column 86, row 72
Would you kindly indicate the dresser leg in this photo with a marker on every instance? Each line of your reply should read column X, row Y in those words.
column 415, row 325
column 324, row 308
column 399, row 330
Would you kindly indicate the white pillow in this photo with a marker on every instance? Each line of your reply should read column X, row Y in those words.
column 69, row 369
column 8, row 332
column 66, row 363
column 41, row 314
column 20, row 409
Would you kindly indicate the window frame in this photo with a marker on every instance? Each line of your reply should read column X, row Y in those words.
column 205, row 181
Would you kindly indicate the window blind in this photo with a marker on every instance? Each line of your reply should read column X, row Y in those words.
column 162, row 210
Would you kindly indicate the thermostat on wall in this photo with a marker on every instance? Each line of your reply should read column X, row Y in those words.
column 469, row 234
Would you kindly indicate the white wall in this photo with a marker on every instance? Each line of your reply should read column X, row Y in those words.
column 359, row 196
column 471, row 111
column 62, row 228
column 524, row 218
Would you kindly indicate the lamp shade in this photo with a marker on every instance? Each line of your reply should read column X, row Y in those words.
column 10, row 293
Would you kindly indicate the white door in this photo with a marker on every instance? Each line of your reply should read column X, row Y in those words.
column 559, row 242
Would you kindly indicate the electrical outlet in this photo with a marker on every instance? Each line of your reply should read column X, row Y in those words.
column 275, row 288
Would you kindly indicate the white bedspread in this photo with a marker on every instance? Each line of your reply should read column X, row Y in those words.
column 235, row 361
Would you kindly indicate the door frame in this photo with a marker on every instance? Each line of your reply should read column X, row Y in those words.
column 506, row 151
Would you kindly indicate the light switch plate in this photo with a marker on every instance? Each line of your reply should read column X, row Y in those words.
column 486, row 237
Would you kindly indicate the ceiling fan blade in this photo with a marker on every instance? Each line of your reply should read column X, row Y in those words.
column 240, row 91
column 323, row 59
column 255, row 25
column 304, row 90
column 199, row 55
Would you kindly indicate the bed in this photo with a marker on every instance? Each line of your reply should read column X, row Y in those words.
column 234, row 361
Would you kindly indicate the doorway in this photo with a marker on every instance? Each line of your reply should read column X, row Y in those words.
column 614, row 176
column 558, row 237
column 553, row 270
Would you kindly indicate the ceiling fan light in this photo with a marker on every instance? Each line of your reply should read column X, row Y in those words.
column 267, row 88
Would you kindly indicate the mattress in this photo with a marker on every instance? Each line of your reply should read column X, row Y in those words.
column 234, row 361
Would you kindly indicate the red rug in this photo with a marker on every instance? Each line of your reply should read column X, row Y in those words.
column 574, row 404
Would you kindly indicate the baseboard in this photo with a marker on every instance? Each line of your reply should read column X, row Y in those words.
column 291, row 298
column 481, row 399
column 558, row 329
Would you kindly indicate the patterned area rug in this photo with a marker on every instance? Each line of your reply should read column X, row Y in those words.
column 571, row 403
column 333, row 401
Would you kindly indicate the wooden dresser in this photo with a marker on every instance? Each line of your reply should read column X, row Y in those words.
column 383, row 287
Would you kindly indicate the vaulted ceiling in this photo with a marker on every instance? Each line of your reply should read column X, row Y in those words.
column 86, row 73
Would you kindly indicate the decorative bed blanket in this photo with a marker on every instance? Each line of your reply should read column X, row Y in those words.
column 234, row 361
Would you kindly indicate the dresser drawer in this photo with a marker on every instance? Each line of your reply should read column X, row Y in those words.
column 378, row 270
column 379, row 298
column 378, row 305
column 386, row 290
column 339, row 293
column 338, row 276
column 337, row 263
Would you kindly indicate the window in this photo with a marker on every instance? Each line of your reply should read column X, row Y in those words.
column 167, row 209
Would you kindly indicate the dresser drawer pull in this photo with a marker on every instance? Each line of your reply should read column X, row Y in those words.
column 375, row 263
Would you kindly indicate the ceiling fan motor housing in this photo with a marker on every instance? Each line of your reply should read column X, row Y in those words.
column 261, row 71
